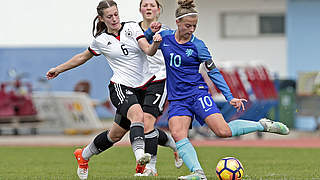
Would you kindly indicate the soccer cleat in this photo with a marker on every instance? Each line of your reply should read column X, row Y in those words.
column 147, row 172
column 274, row 127
column 197, row 175
column 178, row 162
column 140, row 168
column 144, row 159
column 141, row 164
column 82, row 164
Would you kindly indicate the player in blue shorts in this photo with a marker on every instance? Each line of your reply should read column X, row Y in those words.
column 188, row 93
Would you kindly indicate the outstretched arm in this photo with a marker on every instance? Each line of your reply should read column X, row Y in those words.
column 218, row 80
column 75, row 61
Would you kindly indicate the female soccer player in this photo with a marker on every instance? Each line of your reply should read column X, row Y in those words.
column 156, row 96
column 124, row 46
column 188, row 93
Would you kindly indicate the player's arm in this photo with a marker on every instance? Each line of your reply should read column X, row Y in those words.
column 151, row 31
column 217, row 78
column 150, row 49
column 75, row 61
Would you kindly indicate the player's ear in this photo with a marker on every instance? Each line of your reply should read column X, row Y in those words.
column 100, row 19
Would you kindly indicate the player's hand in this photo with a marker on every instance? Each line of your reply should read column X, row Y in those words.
column 52, row 73
column 157, row 38
column 155, row 26
column 238, row 104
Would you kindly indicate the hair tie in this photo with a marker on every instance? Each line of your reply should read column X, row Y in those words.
column 188, row 14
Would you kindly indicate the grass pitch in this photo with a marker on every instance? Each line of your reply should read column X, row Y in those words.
column 118, row 163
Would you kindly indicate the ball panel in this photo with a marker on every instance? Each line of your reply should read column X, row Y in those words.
column 221, row 165
column 232, row 164
column 229, row 168
column 227, row 175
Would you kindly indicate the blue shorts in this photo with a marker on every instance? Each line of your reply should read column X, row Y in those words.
column 200, row 105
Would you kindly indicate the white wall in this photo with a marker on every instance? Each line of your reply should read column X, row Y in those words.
column 57, row 23
column 54, row 22
column 270, row 51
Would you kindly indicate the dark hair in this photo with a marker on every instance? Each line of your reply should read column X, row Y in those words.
column 185, row 7
column 158, row 4
column 101, row 26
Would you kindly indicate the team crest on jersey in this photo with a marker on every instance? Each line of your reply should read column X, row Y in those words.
column 128, row 33
column 189, row 52
column 128, row 92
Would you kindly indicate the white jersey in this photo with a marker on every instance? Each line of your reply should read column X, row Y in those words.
column 127, row 61
column 156, row 62
column 157, row 66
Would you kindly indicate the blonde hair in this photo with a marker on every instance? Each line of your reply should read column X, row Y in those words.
column 185, row 7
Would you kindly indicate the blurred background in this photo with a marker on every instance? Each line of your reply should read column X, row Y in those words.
column 267, row 50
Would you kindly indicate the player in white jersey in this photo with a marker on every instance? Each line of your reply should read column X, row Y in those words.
column 124, row 46
column 154, row 101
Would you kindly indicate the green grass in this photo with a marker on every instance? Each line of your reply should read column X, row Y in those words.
column 58, row 163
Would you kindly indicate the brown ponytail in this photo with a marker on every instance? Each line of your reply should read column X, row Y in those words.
column 101, row 26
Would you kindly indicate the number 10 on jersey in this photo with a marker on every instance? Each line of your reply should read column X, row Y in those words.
column 175, row 60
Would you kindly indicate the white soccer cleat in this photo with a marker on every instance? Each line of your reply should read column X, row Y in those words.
column 178, row 162
column 197, row 175
column 144, row 159
column 82, row 173
column 147, row 172
column 274, row 127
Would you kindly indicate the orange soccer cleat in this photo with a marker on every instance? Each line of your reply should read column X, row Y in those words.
column 82, row 164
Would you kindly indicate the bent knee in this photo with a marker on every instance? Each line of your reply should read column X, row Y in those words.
column 223, row 133
column 178, row 135
column 115, row 138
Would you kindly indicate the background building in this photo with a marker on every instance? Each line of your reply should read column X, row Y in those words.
column 36, row 35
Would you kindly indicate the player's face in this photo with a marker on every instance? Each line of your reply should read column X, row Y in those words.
column 187, row 25
column 149, row 10
column 111, row 18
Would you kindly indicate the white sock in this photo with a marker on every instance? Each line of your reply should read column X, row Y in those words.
column 171, row 143
column 89, row 151
column 152, row 164
column 138, row 153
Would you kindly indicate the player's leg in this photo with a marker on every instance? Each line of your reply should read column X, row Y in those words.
column 106, row 139
column 151, row 145
column 166, row 140
column 179, row 123
column 179, row 126
column 100, row 143
column 126, row 101
column 153, row 99
column 206, row 109
column 219, row 126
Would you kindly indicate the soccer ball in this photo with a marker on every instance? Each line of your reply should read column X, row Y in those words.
column 229, row 168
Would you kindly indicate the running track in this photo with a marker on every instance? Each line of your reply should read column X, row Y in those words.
column 305, row 142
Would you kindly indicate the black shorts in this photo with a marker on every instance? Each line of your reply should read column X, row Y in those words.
column 154, row 98
column 151, row 97
column 122, row 97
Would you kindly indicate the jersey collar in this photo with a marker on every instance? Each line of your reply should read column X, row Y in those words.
column 118, row 37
